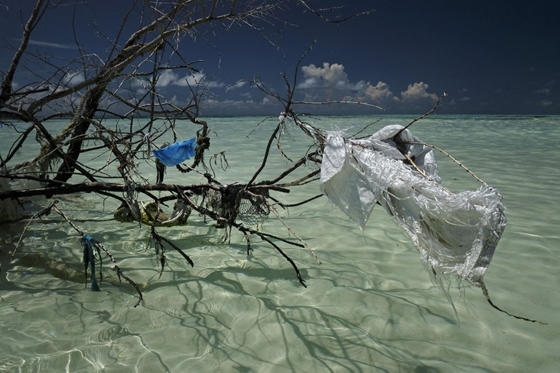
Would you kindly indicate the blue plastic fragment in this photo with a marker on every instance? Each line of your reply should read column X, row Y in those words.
column 9, row 124
column 89, row 259
column 6, row 124
column 176, row 153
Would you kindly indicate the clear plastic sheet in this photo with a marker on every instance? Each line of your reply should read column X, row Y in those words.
column 455, row 233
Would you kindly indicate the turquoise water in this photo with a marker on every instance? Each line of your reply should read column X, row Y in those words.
column 370, row 306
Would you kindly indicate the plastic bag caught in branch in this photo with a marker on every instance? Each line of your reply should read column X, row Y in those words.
column 455, row 233
column 176, row 153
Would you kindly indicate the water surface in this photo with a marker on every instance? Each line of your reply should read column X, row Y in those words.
column 370, row 306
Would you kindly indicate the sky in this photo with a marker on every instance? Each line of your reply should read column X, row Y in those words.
column 490, row 57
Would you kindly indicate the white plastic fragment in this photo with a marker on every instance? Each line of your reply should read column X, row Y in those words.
column 455, row 233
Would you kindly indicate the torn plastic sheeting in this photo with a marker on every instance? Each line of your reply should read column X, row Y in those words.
column 456, row 233
column 176, row 153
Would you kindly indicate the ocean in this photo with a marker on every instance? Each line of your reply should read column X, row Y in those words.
column 370, row 305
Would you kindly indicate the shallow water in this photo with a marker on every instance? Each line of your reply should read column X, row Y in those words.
column 370, row 306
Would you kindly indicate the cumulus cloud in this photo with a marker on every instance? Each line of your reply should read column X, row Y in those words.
column 379, row 92
column 330, row 82
column 417, row 92
column 319, row 83
column 328, row 75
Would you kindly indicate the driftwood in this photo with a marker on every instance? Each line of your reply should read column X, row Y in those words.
column 90, row 92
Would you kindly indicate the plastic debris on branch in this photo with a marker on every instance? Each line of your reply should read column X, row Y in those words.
column 176, row 153
column 90, row 247
column 455, row 233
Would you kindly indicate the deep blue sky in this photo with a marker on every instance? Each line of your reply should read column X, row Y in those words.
column 491, row 57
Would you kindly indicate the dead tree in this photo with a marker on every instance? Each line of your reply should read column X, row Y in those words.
column 140, row 57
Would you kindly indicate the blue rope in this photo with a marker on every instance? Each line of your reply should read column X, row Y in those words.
column 4, row 124
column 89, row 259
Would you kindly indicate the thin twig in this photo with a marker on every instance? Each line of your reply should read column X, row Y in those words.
column 440, row 98
column 294, row 233
column 451, row 157
column 43, row 212
column 265, row 157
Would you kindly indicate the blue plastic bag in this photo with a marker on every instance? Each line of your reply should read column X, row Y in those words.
column 176, row 153
column 89, row 258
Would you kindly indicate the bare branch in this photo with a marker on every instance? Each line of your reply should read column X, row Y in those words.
column 30, row 25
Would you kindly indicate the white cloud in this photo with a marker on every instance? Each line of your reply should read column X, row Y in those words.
column 199, row 78
column 175, row 101
column 543, row 91
column 545, row 103
column 52, row 45
column 330, row 82
column 170, row 78
column 379, row 92
column 417, row 92
column 236, row 85
column 326, row 82
column 166, row 78
column 245, row 106
column 309, row 83
column 73, row 78
column 328, row 75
